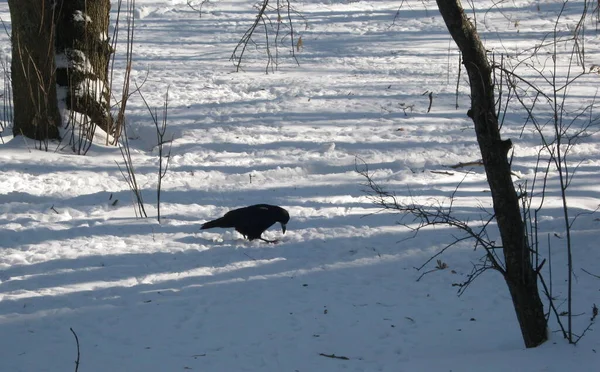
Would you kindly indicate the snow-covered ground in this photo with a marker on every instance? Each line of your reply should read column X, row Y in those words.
column 144, row 296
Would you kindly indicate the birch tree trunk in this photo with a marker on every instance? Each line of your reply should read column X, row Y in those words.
column 520, row 276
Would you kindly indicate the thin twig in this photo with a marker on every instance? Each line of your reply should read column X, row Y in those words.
column 333, row 356
column 589, row 273
column 78, row 354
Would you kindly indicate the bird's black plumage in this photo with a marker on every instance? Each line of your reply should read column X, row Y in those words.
column 252, row 221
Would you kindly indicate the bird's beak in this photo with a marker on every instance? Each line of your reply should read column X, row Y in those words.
column 283, row 227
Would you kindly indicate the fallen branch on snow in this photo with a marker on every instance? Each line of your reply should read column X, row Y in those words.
column 442, row 172
column 467, row 164
column 333, row 356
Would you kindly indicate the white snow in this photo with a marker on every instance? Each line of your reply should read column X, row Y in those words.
column 79, row 16
column 93, row 87
column 144, row 296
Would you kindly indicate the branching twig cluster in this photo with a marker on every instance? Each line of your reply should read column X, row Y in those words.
column 561, row 122
column 278, row 29
column 163, row 156
column 434, row 214
column 6, row 95
column 197, row 6
column 129, row 175
column 121, row 104
column 7, row 110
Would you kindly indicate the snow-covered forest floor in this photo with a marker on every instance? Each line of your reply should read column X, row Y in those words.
column 144, row 296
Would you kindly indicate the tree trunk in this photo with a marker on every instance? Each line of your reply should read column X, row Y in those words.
column 520, row 277
column 33, row 76
column 83, row 54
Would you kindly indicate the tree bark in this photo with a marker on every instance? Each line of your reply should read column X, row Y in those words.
column 83, row 54
column 36, row 113
column 520, row 277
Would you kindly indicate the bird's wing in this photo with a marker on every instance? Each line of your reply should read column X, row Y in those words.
column 224, row 221
column 253, row 221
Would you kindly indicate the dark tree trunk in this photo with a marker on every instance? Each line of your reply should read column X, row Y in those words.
column 36, row 113
column 83, row 54
column 519, row 275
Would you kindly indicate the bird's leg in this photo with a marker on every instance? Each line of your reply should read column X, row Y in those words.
column 269, row 241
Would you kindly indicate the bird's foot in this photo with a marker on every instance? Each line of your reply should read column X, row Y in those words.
column 269, row 241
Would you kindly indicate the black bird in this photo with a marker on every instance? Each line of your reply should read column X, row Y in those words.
column 252, row 221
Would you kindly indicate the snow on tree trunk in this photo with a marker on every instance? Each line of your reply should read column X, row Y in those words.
column 83, row 53
column 520, row 276
column 36, row 113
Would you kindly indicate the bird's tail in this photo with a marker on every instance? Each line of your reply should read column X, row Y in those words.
column 219, row 222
